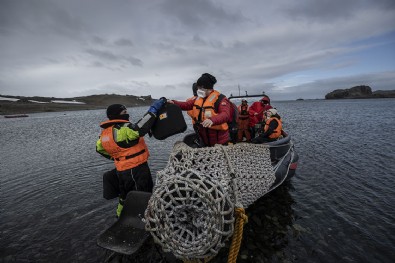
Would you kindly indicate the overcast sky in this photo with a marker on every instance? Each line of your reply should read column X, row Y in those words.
column 289, row 49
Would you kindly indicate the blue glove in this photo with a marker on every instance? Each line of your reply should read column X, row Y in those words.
column 157, row 105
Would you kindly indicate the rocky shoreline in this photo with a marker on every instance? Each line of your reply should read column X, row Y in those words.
column 23, row 105
column 359, row 92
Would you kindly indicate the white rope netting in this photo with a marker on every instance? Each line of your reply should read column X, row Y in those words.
column 191, row 211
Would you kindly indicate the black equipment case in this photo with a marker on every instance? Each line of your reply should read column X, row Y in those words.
column 170, row 121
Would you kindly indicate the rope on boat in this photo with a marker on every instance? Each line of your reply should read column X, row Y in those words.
column 241, row 220
column 200, row 194
column 241, row 217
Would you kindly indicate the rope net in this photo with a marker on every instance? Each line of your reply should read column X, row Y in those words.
column 191, row 211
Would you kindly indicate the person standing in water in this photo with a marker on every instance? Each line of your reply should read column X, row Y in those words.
column 123, row 142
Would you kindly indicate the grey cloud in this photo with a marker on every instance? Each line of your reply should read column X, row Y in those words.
column 120, row 42
column 97, row 64
column 53, row 60
column 199, row 13
column 239, row 44
column 99, row 40
column 134, row 61
column 38, row 17
column 172, row 87
column 102, row 54
column 123, row 42
column 378, row 4
column 169, row 47
column 326, row 10
column 323, row 9
column 107, row 55
column 197, row 40
column 217, row 44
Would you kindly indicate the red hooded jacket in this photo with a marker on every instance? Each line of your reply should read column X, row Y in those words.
column 209, row 136
column 257, row 109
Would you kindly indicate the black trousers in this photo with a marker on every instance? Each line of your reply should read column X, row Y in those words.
column 261, row 139
column 120, row 183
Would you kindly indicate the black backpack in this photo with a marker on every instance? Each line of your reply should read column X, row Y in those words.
column 233, row 123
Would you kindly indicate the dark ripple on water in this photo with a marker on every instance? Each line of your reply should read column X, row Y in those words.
column 341, row 208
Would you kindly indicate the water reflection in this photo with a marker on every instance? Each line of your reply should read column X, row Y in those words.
column 270, row 225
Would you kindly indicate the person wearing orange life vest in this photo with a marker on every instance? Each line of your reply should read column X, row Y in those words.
column 243, row 122
column 123, row 142
column 272, row 129
column 211, row 111
column 256, row 110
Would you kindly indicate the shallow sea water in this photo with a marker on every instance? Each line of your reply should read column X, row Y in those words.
column 340, row 206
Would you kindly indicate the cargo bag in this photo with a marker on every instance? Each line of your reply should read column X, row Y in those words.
column 170, row 121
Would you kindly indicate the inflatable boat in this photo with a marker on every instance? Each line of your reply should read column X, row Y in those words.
column 128, row 237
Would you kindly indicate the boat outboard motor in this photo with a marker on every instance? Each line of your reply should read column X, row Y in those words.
column 170, row 121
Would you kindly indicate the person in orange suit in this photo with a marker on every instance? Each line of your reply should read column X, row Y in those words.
column 243, row 122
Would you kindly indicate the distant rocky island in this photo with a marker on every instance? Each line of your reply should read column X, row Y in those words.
column 359, row 92
column 22, row 105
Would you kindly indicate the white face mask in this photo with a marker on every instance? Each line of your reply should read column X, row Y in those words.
column 201, row 93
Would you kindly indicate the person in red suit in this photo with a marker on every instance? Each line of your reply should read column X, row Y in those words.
column 211, row 111
column 256, row 112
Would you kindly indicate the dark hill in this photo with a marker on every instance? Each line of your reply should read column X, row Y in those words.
column 359, row 92
column 384, row 94
column 24, row 104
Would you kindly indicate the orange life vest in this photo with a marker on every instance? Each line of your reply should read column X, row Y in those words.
column 124, row 158
column 204, row 109
column 190, row 112
column 277, row 132
column 243, row 112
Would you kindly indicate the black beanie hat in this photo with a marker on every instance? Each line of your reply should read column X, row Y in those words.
column 114, row 110
column 194, row 89
column 207, row 81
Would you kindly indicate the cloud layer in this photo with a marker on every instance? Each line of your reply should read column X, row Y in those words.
column 289, row 49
